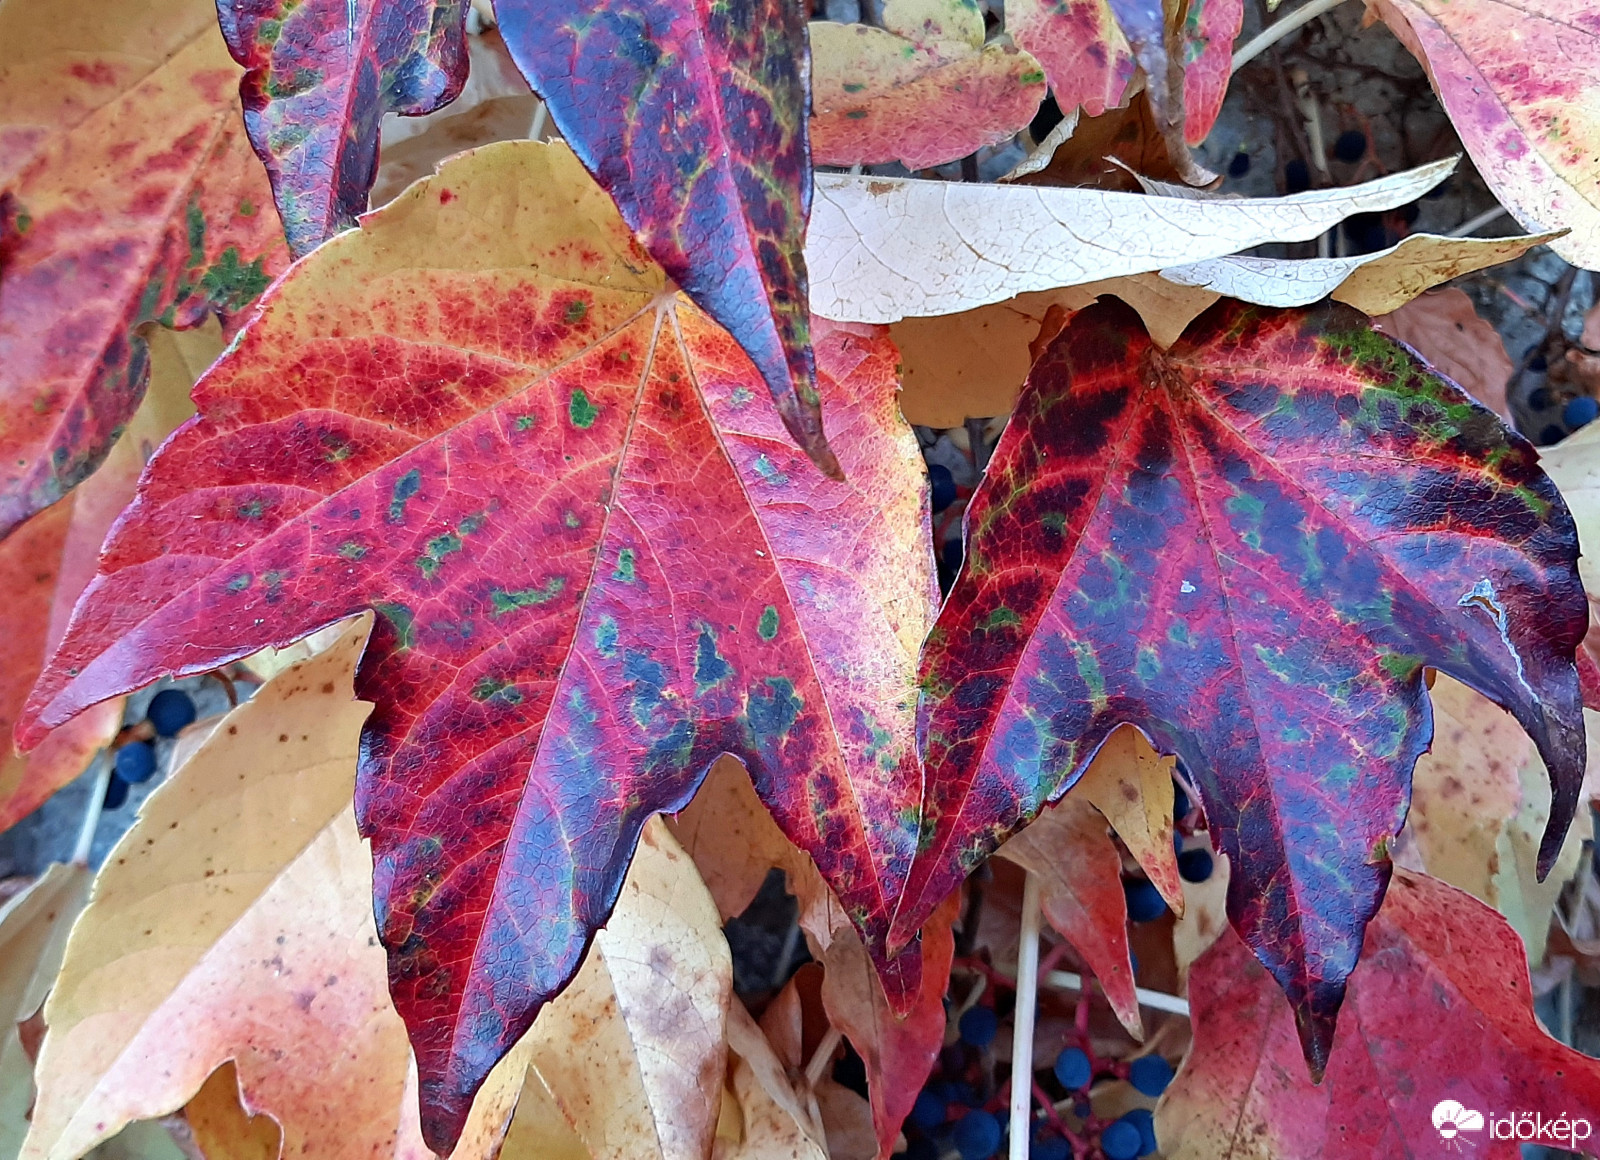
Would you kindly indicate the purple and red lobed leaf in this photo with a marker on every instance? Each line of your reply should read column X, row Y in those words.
column 1249, row 547
column 319, row 76
column 597, row 562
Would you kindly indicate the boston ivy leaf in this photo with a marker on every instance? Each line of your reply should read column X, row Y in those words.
column 922, row 90
column 320, row 75
column 1439, row 1009
column 1521, row 84
column 597, row 564
column 1248, row 546
column 127, row 195
column 692, row 115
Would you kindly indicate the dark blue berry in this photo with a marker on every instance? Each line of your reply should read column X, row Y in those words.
column 928, row 1112
column 1150, row 1074
column 1120, row 1140
column 1538, row 365
column 977, row 1135
column 979, row 1025
column 943, row 486
column 1580, row 412
column 921, row 1148
column 1441, row 189
column 1351, row 146
column 136, row 761
column 1240, row 165
column 1195, row 865
column 1180, row 803
column 1145, row 903
column 1072, row 1068
column 1539, row 398
column 1145, row 1121
column 1049, row 1147
column 1133, row 962
column 1550, row 434
column 170, row 710
column 1296, row 177
column 116, row 793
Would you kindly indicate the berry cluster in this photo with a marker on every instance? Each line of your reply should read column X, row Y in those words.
column 169, row 711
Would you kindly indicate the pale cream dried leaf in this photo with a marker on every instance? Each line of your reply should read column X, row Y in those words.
column 234, row 921
column 882, row 249
column 633, row 1052
column 33, row 937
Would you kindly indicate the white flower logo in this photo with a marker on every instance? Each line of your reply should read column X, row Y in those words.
column 1451, row 1119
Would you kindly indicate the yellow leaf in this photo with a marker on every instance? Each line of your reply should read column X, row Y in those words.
column 1131, row 784
column 234, row 921
column 33, row 937
column 632, row 1054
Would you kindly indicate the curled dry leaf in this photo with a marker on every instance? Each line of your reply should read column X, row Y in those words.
column 234, row 922
column 319, row 76
column 774, row 1121
column 1521, row 84
column 882, row 249
column 682, row 599
column 45, row 564
column 734, row 842
column 633, row 1053
column 1252, row 517
column 1373, row 283
column 33, row 937
column 922, row 90
column 1440, row 1008
column 1445, row 328
column 692, row 116
column 1112, row 152
column 128, row 195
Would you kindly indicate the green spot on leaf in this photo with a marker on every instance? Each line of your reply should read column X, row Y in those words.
column 768, row 626
column 581, row 411
column 404, row 488
column 400, row 619
column 624, row 570
column 503, row 601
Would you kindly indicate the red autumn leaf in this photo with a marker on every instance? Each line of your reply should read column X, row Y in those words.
column 319, row 76
column 1089, row 64
column 897, row 1050
column 598, row 564
column 1249, row 547
column 692, row 115
column 1440, row 1009
column 1521, row 84
column 922, row 90
column 128, row 195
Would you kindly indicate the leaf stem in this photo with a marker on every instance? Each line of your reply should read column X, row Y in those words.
column 1270, row 35
column 1022, row 1028
column 820, row 1057
column 97, row 799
